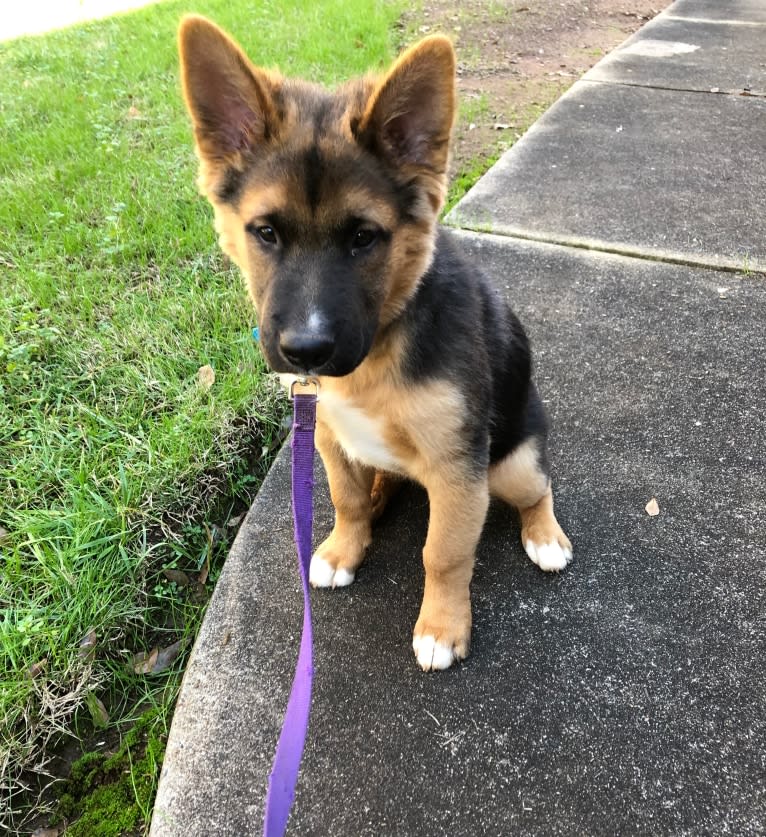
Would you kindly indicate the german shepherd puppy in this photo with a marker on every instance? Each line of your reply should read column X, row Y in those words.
column 328, row 202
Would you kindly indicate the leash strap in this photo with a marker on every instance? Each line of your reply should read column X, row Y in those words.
column 287, row 759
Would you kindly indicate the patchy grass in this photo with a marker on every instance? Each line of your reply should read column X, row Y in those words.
column 468, row 174
column 470, row 169
column 120, row 467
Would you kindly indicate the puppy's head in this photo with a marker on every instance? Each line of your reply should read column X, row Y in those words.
column 327, row 201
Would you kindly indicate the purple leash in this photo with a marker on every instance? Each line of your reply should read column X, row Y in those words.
column 287, row 759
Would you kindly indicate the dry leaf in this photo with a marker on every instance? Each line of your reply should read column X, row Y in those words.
column 3, row 534
column 134, row 113
column 144, row 661
column 47, row 832
column 87, row 647
column 167, row 656
column 652, row 508
column 37, row 669
column 178, row 576
column 206, row 377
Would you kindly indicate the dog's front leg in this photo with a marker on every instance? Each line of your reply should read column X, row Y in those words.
column 458, row 507
column 336, row 560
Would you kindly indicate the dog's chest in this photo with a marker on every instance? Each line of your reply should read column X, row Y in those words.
column 358, row 433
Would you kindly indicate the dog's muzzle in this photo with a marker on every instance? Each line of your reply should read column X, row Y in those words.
column 306, row 351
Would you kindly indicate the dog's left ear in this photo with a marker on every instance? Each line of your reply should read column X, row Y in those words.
column 408, row 119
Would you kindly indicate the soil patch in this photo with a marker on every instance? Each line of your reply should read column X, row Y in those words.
column 515, row 59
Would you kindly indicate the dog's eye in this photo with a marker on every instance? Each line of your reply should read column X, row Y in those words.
column 364, row 238
column 266, row 234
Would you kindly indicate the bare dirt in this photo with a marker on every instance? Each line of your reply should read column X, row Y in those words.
column 516, row 58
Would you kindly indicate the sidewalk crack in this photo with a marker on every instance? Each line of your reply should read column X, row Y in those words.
column 715, row 91
column 625, row 250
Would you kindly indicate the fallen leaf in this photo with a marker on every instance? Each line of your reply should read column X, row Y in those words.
column 3, row 534
column 206, row 377
column 143, row 662
column 46, row 832
column 37, row 669
column 134, row 113
column 87, row 647
column 178, row 576
column 166, row 657
column 235, row 521
column 652, row 508
column 98, row 713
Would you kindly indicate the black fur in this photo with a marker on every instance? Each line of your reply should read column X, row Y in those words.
column 459, row 328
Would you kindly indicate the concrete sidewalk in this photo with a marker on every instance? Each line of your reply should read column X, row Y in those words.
column 625, row 696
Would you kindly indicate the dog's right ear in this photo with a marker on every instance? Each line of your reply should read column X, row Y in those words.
column 230, row 101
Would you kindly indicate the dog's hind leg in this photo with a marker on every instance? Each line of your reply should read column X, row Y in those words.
column 384, row 487
column 351, row 484
column 521, row 480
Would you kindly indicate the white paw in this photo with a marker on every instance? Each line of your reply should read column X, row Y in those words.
column 550, row 557
column 432, row 655
column 321, row 574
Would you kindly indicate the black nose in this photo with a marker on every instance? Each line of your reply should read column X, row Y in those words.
column 306, row 350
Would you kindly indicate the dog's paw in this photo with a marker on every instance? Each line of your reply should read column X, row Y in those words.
column 551, row 557
column 442, row 636
column 433, row 655
column 323, row 574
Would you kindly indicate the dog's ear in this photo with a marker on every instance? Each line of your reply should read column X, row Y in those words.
column 408, row 119
column 230, row 101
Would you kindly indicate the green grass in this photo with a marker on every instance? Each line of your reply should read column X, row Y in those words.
column 115, row 461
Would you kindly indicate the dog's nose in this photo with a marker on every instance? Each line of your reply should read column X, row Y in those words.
column 306, row 350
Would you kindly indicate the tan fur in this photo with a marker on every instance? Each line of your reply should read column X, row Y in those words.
column 420, row 426
column 351, row 493
column 518, row 479
column 539, row 524
column 384, row 487
column 457, row 512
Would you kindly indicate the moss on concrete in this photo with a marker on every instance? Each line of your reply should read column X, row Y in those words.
column 111, row 795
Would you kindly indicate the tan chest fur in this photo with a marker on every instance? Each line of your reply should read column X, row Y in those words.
column 392, row 427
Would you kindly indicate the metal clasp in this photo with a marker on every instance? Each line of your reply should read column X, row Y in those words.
column 304, row 382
